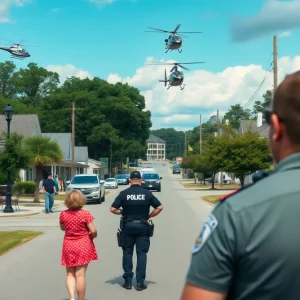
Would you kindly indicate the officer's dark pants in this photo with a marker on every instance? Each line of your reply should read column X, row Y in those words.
column 135, row 234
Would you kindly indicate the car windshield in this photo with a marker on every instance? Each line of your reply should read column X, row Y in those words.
column 150, row 176
column 110, row 180
column 85, row 180
column 121, row 176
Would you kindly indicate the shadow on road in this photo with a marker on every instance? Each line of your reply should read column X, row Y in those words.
column 120, row 281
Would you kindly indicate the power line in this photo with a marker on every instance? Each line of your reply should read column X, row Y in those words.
column 259, row 87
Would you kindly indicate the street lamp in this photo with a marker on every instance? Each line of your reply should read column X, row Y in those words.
column 8, row 111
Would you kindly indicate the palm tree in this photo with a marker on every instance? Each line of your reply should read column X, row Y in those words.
column 42, row 152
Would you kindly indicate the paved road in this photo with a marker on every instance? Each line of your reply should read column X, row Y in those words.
column 33, row 271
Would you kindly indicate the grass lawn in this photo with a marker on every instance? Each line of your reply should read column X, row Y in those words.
column 208, row 186
column 212, row 198
column 12, row 239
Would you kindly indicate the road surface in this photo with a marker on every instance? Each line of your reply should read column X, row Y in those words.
column 33, row 271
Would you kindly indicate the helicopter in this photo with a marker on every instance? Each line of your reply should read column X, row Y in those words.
column 16, row 51
column 174, row 41
column 177, row 77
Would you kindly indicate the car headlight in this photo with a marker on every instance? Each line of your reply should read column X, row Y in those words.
column 157, row 181
column 96, row 189
column 68, row 190
column 143, row 181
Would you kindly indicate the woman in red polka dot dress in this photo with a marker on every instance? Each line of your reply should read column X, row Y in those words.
column 78, row 247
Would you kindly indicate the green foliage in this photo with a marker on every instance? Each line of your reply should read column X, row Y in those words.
column 7, row 86
column 43, row 151
column 13, row 158
column 260, row 105
column 174, row 141
column 24, row 187
column 235, row 114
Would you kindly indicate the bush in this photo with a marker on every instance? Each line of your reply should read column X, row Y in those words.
column 25, row 187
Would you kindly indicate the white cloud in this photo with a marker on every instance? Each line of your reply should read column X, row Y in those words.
column 68, row 71
column 5, row 6
column 285, row 34
column 55, row 9
column 205, row 91
column 274, row 17
column 101, row 3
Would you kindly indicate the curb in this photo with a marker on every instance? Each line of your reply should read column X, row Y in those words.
column 28, row 214
column 213, row 205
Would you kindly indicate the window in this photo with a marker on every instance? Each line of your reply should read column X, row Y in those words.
column 85, row 180
column 150, row 176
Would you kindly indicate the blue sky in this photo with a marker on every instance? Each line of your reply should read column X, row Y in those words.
column 110, row 39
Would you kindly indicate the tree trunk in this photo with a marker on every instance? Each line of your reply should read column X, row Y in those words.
column 242, row 180
column 39, row 172
column 213, row 181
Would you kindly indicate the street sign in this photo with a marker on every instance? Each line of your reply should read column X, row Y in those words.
column 104, row 160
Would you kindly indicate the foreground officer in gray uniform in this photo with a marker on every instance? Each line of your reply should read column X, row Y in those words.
column 249, row 247
column 136, row 202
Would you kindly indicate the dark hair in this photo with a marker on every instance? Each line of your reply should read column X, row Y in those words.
column 286, row 103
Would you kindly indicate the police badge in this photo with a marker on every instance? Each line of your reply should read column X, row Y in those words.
column 209, row 226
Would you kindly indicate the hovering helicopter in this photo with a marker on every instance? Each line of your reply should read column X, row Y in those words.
column 174, row 41
column 176, row 78
column 16, row 51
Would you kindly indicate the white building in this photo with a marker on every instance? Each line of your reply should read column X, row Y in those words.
column 97, row 167
column 156, row 148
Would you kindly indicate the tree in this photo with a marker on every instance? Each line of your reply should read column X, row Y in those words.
column 42, row 152
column 235, row 114
column 257, row 107
column 7, row 86
column 13, row 158
column 268, row 96
column 260, row 105
column 34, row 83
column 202, row 166
column 241, row 154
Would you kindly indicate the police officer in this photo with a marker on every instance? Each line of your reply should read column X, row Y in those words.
column 135, row 202
column 249, row 246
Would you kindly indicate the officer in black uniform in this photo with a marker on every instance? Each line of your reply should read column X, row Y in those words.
column 135, row 202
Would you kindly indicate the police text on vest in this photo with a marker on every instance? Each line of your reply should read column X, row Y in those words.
column 135, row 197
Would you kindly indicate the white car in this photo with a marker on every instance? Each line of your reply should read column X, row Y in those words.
column 91, row 186
column 111, row 183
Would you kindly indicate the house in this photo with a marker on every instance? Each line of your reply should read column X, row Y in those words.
column 29, row 125
column 26, row 125
column 97, row 167
column 156, row 148
column 63, row 169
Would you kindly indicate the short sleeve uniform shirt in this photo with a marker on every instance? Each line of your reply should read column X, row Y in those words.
column 136, row 202
column 249, row 246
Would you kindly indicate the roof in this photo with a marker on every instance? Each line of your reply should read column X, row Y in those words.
column 81, row 154
column 247, row 125
column 26, row 125
column 64, row 140
column 68, row 163
column 154, row 139
column 97, row 162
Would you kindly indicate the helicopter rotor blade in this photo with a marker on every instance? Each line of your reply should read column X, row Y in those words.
column 189, row 32
column 182, row 67
column 177, row 27
column 191, row 63
column 161, row 30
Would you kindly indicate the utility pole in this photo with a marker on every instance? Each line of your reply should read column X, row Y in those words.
column 275, row 69
column 185, row 145
column 200, row 133
column 218, row 124
column 110, row 160
column 73, row 141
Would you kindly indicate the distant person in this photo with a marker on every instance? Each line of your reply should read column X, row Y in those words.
column 49, row 191
column 249, row 246
column 56, row 184
column 135, row 202
column 78, row 247
column 61, row 184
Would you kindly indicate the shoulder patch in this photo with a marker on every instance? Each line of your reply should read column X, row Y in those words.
column 209, row 226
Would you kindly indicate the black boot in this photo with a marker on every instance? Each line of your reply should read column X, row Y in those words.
column 127, row 284
column 141, row 287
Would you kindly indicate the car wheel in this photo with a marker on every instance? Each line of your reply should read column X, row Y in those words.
column 103, row 197
column 98, row 201
column 159, row 190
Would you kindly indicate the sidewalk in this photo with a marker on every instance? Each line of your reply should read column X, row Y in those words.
column 29, row 208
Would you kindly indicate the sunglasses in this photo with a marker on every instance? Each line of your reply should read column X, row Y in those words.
column 268, row 113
